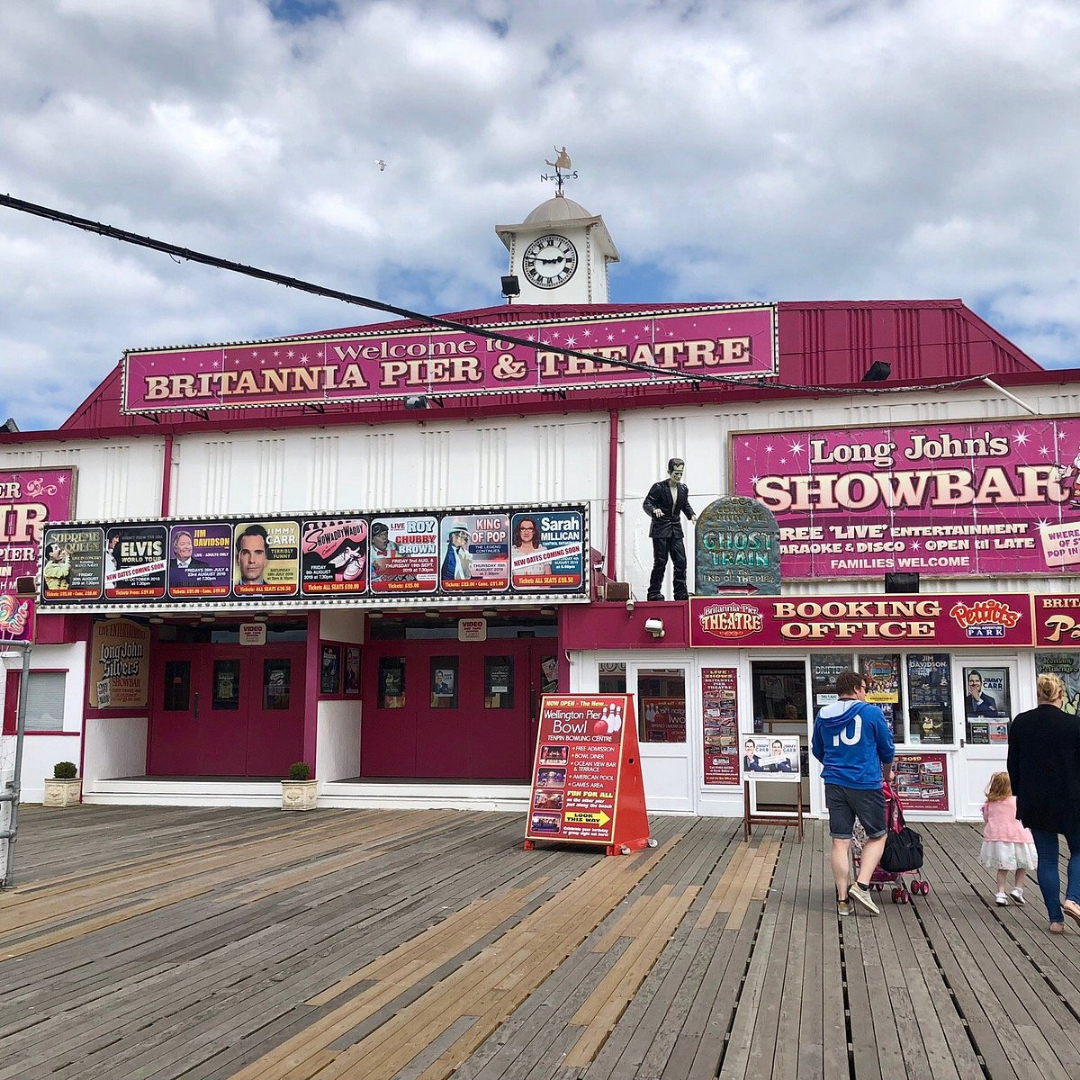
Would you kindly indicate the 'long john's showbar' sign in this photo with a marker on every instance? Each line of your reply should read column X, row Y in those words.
column 737, row 342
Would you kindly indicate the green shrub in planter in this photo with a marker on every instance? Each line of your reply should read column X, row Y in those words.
column 65, row 770
column 300, row 770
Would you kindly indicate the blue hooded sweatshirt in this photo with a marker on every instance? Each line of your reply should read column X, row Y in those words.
column 852, row 741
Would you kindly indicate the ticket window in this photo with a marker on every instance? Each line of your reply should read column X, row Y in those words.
column 913, row 690
column 780, row 710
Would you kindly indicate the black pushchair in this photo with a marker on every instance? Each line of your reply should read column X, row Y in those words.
column 903, row 849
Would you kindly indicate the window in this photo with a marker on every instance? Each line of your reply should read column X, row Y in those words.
column 45, row 700
column 498, row 682
column 276, row 683
column 176, row 693
column 613, row 678
column 661, row 695
column 444, row 682
column 392, row 682
column 226, row 685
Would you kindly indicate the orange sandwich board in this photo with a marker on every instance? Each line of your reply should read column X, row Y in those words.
column 586, row 780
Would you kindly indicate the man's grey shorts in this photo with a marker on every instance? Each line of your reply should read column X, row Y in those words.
column 846, row 804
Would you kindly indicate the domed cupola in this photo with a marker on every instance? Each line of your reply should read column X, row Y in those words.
column 560, row 252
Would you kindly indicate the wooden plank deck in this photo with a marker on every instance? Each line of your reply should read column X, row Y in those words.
column 214, row 944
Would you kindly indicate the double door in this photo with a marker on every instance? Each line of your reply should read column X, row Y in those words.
column 226, row 710
column 440, row 709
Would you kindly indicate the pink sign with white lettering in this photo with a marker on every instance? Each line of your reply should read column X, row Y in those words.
column 986, row 498
column 28, row 499
column 632, row 348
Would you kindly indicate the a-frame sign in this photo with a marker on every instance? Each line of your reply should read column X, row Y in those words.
column 586, row 780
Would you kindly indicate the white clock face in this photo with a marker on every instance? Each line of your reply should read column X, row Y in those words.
column 549, row 261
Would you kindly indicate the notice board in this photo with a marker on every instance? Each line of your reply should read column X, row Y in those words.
column 586, row 780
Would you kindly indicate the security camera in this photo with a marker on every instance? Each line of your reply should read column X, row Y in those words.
column 630, row 606
column 655, row 627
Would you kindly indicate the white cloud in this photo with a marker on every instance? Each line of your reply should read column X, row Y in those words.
column 800, row 149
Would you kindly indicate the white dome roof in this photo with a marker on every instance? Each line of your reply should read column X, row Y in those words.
column 559, row 208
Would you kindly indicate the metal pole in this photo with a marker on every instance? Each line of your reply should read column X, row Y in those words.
column 14, row 785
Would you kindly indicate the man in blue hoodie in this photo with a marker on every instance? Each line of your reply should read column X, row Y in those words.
column 854, row 744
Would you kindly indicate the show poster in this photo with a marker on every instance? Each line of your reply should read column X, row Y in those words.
column 404, row 555
column 771, row 757
column 72, row 567
column 989, row 498
column 576, row 774
column 267, row 558
column 334, row 556
column 475, row 555
column 135, row 563
column 720, row 713
column 29, row 499
column 921, row 781
column 293, row 560
column 547, row 551
column 928, row 679
column 200, row 560
column 119, row 665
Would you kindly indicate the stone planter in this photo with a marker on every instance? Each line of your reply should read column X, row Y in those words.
column 62, row 793
column 299, row 794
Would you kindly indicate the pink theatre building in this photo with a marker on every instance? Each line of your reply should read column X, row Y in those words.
column 373, row 549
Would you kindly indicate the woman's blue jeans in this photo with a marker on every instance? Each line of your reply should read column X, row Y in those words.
column 1046, row 843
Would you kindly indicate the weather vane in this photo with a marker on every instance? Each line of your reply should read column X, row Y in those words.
column 562, row 166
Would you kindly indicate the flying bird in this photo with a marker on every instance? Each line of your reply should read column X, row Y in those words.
column 381, row 164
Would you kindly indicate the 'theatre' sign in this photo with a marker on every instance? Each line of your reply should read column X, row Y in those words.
column 586, row 782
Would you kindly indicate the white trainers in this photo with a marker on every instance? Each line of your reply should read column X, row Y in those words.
column 1001, row 900
column 861, row 895
column 1018, row 897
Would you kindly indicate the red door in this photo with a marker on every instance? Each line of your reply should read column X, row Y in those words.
column 226, row 711
column 448, row 710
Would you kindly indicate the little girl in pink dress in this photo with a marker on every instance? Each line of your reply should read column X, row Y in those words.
column 1006, row 845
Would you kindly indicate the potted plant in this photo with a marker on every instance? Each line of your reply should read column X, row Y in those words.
column 63, row 788
column 298, row 791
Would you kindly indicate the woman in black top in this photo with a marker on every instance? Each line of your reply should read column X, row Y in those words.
column 1044, row 768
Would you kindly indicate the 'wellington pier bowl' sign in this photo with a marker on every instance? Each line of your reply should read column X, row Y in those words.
column 737, row 548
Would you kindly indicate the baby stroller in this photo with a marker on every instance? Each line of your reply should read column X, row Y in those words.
column 905, row 883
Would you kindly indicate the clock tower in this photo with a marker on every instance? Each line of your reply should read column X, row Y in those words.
column 560, row 254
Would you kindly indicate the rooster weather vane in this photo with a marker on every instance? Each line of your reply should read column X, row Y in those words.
column 562, row 166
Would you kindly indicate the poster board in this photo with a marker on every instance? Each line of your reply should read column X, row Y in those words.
column 770, row 759
column 586, row 781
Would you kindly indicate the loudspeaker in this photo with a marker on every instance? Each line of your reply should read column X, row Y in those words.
column 902, row 582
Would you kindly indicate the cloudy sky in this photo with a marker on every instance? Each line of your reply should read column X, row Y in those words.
column 738, row 150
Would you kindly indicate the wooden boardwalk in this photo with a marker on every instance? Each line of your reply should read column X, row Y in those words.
column 215, row 944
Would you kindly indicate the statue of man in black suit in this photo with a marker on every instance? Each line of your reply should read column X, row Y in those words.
column 667, row 499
